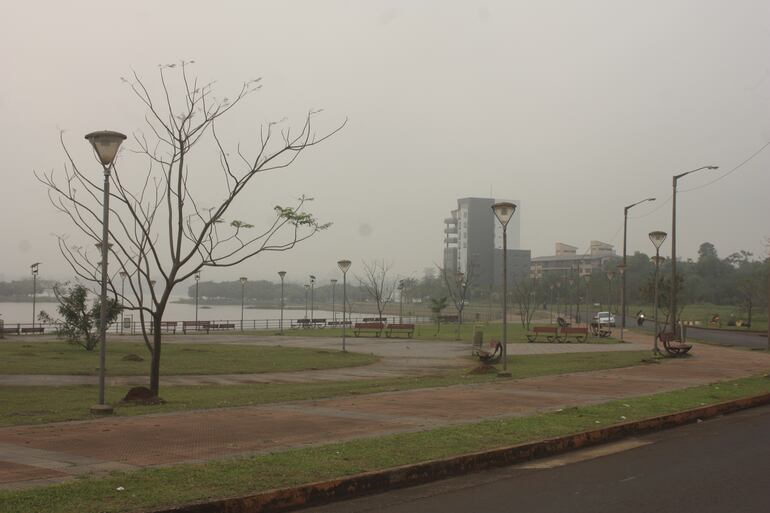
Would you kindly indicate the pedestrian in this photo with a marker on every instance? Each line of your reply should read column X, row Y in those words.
column 640, row 318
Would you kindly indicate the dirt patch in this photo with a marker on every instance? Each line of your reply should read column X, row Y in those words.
column 483, row 369
column 141, row 395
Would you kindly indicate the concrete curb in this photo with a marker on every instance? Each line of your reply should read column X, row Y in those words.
column 315, row 494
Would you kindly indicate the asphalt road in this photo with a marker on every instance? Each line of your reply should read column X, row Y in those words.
column 721, row 337
column 718, row 466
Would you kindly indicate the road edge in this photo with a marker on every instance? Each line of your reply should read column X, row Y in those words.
column 324, row 492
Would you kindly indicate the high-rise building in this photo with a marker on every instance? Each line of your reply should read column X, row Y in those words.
column 474, row 242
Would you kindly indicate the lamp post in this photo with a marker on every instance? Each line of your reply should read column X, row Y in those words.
column 282, row 274
column 674, row 286
column 312, row 299
column 551, row 301
column 197, row 282
column 334, row 310
column 622, row 270
column 243, row 297
column 106, row 144
column 344, row 265
column 307, row 287
column 400, row 301
column 623, row 274
column 122, row 275
column 35, row 269
column 504, row 211
column 610, row 276
column 657, row 238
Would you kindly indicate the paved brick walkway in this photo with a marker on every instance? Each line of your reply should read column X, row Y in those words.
column 37, row 455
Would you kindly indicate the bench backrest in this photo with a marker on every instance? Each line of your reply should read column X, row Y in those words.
column 370, row 325
column 196, row 323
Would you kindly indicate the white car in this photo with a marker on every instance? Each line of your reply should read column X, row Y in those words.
column 605, row 318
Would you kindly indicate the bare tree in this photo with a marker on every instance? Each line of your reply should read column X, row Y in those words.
column 378, row 283
column 525, row 294
column 160, row 232
column 458, row 284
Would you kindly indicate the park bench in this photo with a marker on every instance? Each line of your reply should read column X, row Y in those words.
column 318, row 323
column 27, row 331
column 449, row 318
column 223, row 326
column 673, row 346
column 12, row 331
column 579, row 334
column 374, row 327
column 600, row 329
column 300, row 323
column 165, row 327
column 339, row 323
column 491, row 354
column 550, row 332
column 375, row 319
column 399, row 328
column 196, row 326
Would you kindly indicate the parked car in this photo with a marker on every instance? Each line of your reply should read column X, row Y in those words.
column 605, row 318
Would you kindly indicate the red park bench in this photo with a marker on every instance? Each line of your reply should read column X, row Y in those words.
column 374, row 327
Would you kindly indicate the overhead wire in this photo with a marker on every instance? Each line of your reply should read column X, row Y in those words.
column 736, row 168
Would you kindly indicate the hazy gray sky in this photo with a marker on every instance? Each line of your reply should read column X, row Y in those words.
column 575, row 108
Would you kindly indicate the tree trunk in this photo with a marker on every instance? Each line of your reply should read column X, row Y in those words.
column 155, row 365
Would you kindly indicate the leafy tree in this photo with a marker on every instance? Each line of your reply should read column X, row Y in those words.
column 161, row 233
column 437, row 305
column 80, row 321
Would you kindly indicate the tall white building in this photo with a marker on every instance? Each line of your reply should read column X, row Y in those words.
column 474, row 238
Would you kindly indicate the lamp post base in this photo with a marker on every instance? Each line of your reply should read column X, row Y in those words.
column 101, row 409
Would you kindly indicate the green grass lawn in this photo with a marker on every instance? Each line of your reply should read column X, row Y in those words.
column 39, row 405
column 165, row 487
column 517, row 334
column 62, row 358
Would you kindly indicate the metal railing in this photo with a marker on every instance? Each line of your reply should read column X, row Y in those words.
column 131, row 327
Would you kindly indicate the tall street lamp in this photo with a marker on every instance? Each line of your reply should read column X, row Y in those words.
column 504, row 211
column 623, row 275
column 610, row 276
column 334, row 311
column 106, row 145
column 657, row 238
column 122, row 275
column 622, row 270
column 35, row 269
column 307, row 288
column 674, row 285
column 282, row 274
column 312, row 299
column 243, row 297
column 197, row 281
column 344, row 265
column 400, row 301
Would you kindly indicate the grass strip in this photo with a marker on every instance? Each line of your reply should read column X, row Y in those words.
column 159, row 487
column 60, row 357
column 41, row 405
